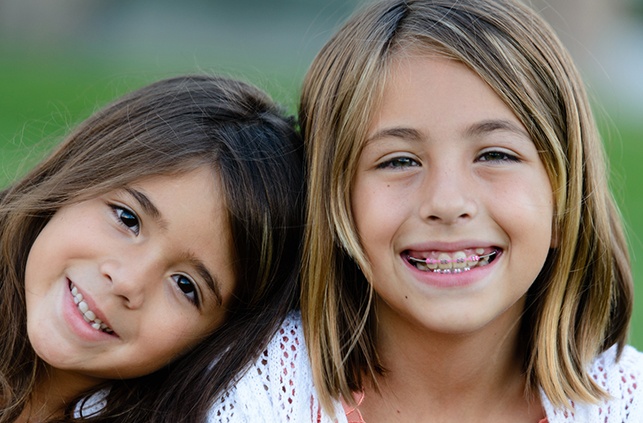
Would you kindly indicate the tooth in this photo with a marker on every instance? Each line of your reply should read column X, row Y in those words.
column 83, row 307
column 431, row 263
column 483, row 261
column 421, row 266
column 74, row 291
column 479, row 251
column 76, row 300
column 96, row 326
column 444, row 261
column 472, row 261
column 90, row 315
column 460, row 260
column 86, row 318
column 99, row 321
column 79, row 296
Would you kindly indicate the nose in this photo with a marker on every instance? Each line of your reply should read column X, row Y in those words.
column 449, row 194
column 131, row 278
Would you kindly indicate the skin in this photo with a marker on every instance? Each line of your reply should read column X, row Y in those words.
column 448, row 167
column 141, row 257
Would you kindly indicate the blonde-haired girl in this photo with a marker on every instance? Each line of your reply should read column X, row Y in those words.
column 464, row 259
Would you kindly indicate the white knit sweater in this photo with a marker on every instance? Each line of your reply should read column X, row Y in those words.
column 278, row 388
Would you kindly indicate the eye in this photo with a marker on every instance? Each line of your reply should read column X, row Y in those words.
column 398, row 163
column 497, row 156
column 127, row 218
column 187, row 287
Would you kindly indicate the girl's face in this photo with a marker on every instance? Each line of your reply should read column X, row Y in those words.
column 119, row 285
column 451, row 201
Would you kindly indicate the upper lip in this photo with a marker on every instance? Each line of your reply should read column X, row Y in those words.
column 450, row 246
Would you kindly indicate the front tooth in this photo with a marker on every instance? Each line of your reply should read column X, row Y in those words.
column 460, row 260
column 90, row 315
column 83, row 307
column 444, row 261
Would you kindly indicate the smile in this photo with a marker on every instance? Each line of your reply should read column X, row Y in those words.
column 88, row 315
column 455, row 262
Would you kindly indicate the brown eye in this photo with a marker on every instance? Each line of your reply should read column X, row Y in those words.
column 187, row 287
column 127, row 218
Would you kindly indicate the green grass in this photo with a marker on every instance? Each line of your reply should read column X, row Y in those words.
column 41, row 99
column 625, row 149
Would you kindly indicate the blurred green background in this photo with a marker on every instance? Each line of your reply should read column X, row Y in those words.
column 61, row 60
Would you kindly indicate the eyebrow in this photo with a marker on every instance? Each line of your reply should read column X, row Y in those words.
column 488, row 126
column 146, row 204
column 396, row 132
column 211, row 282
column 149, row 208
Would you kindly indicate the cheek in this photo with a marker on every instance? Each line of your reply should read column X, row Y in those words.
column 527, row 217
column 378, row 211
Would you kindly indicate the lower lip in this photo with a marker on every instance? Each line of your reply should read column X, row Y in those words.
column 452, row 280
column 77, row 323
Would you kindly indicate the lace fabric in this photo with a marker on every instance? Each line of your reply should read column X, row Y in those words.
column 621, row 379
column 278, row 388
column 275, row 388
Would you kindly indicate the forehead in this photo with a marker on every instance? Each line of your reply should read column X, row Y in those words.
column 428, row 92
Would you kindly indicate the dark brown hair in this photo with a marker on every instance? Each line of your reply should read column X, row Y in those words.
column 168, row 128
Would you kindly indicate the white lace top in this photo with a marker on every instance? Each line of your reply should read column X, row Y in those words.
column 277, row 388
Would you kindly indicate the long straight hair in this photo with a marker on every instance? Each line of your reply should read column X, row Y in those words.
column 168, row 128
column 581, row 302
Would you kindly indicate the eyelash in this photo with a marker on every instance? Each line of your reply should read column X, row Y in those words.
column 499, row 156
column 398, row 163
column 195, row 299
column 121, row 213
column 488, row 156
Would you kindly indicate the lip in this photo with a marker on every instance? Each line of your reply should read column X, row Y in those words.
column 75, row 318
column 462, row 279
column 451, row 246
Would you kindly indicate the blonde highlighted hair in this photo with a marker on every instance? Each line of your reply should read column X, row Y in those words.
column 581, row 302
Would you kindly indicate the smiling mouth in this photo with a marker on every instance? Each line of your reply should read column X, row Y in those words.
column 88, row 315
column 453, row 263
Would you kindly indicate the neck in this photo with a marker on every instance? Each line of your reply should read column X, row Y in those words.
column 459, row 377
column 53, row 392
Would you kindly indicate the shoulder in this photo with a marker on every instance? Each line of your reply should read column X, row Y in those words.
column 277, row 387
column 622, row 378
